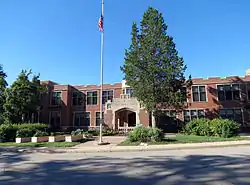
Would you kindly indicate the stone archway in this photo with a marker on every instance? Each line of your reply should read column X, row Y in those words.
column 125, row 118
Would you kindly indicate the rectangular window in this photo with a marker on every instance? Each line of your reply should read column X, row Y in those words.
column 231, row 114
column 228, row 92
column 199, row 93
column 171, row 113
column 193, row 114
column 248, row 91
column 92, row 98
column 56, row 98
column 81, row 119
column 97, row 118
column 77, row 98
column 107, row 95
column 55, row 119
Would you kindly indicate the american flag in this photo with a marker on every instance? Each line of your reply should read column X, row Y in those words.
column 100, row 23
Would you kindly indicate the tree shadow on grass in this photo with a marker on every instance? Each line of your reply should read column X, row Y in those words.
column 154, row 170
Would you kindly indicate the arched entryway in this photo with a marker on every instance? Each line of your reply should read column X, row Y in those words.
column 125, row 118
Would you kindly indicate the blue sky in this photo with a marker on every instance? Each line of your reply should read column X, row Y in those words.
column 60, row 38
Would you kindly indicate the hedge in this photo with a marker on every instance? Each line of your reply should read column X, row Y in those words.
column 216, row 127
column 8, row 132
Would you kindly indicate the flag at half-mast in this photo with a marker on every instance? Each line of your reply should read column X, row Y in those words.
column 100, row 23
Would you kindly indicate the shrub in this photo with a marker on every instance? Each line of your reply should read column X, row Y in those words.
column 143, row 134
column 215, row 127
column 25, row 132
column 7, row 133
column 40, row 133
column 199, row 127
column 156, row 134
column 224, row 128
column 77, row 132
column 32, row 126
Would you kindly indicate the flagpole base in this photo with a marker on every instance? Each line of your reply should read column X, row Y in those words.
column 103, row 143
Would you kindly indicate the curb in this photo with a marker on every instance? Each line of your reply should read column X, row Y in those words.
column 128, row 148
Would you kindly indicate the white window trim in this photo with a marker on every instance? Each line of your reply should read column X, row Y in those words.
column 60, row 117
column 102, row 117
column 241, row 109
column 217, row 97
column 190, row 112
column 81, row 112
column 199, row 93
column 98, row 95
column 52, row 96
column 109, row 90
column 72, row 99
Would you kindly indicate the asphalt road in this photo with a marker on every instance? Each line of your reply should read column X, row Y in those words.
column 218, row 166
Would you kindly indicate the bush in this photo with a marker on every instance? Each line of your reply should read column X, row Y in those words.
column 25, row 132
column 77, row 132
column 216, row 127
column 32, row 126
column 40, row 133
column 199, row 127
column 7, row 133
column 224, row 128
column 143, row 134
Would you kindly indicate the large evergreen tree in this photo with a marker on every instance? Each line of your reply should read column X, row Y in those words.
column 3, row 85
column 153, row 67
column 23, row 97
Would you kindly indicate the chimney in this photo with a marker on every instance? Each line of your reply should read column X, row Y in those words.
column 248, row 72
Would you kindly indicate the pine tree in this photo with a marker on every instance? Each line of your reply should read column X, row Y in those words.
column 153, row 67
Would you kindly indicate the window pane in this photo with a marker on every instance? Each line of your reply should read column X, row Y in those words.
column 229, row 112
column 89, row 101
column 227, row 87
column 94, row 101
column 186, row 118
column 221, row 95
column 193, row 113
column 186, row 113
column 229, row 95
column 110, row 93
column 220, row 88
column 236, row 87
column 201, row 113
column 202, row 89
column 94, row 93
column 195, row 89
column 195, row 96
column 104, row 93
column 203, row 96
column 236, row 95
column 222, row 112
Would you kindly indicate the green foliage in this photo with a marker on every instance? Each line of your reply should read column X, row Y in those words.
column 40, row 133
column 25, row 132
column 23, row 97
column 77, row 132
column 3, row 85
column 7, row 133
column 224, row 128
column 144, row 134
column 152, row 65
column 216, row 127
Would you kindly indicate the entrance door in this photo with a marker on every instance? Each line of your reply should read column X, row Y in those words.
column 132, row 119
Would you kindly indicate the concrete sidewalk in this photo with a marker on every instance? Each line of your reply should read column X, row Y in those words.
column 115, row 148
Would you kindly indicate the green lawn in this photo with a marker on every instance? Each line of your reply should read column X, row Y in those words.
column 186, row 139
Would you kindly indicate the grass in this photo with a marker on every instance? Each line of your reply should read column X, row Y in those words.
column 186, row 139
column 45, row 144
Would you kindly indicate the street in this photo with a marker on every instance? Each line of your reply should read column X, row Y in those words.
column 218, row 166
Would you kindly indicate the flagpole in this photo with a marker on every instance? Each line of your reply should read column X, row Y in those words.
column 101, row 79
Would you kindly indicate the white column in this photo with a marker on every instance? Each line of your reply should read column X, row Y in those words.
column 137, row 117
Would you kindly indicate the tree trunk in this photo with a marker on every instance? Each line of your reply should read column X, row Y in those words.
column 153, row 120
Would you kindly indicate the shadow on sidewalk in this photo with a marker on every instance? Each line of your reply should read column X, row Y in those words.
column 193, row 169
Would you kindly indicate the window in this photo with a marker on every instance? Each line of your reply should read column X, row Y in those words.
column 77, row 98
column 231, row 114
column 81, row 119
column 193, row 114
column 170, row 113
column 128, row 91
column 228, row 92
column 248, row 91
column 97, row 118
column 92, row 98
column 56, row 98
column 55, row 119
column 107, row 95
column 199, row 93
